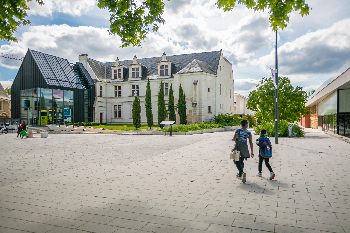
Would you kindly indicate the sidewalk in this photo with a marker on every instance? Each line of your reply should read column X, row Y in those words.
column 114, row 183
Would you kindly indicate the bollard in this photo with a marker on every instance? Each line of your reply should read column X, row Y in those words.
column 290, row 131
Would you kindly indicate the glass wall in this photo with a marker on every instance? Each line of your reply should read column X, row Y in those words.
column 328, row 106
column 344, row 103
column 41, row 106
column 329, row 123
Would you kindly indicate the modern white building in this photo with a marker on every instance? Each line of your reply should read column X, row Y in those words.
column 240, row 106
column 330, row 104
column 206, row 79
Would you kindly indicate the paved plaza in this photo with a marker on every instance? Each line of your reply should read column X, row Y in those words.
column 139, row 183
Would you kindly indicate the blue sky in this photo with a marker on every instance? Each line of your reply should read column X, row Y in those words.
column 310, row 49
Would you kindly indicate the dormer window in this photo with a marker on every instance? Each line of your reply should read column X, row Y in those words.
column 135, row 72
column 135, row 69
column 117, row 70
column 117, row 73
column 164, row 67
column 164, row 70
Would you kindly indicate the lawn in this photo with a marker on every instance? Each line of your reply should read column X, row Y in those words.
column 122, row 127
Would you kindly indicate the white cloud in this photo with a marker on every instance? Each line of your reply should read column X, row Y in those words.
column 245, row 86
column 6, row 84
column 70, row 7
column 68, row 42
column 323, row 51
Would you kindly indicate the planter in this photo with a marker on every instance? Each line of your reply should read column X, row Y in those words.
column 235, row 127
column 189, row 133
column 220, row 129
column 158, row 133
column 177, row 133
column 227, row 128
column 208, row 131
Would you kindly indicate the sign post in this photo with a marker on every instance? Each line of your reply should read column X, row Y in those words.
column 168, row 123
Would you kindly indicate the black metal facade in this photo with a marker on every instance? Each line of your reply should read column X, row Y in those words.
column 29, row 76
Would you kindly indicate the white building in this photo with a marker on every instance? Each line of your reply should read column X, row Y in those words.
column 240, row 103
column 206, row 79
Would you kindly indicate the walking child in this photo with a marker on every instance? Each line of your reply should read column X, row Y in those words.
column 265, row 153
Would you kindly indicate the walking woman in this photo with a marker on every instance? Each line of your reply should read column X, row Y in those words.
column 241, row 136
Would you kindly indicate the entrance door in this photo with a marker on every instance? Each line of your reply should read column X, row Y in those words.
column 347, row 124
column 341, row 124
column 101, row 117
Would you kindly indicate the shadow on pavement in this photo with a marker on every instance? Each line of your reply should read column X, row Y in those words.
column 253, row 187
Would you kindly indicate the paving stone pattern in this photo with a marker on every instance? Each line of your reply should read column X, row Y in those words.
column 138, row 183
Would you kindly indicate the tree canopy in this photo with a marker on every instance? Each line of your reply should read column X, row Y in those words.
column 13, row 13
column 279, row 10
column 291, row 101
column 132, row 20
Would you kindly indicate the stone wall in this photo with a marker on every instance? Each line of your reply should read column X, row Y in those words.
column 314, row 117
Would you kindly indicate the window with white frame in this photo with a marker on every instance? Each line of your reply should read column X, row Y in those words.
column 164, row 71
column 135, row 72
column 134, row 90
column 117, row 111
column 117, row 73
column 166, row 88
column 209, row 109
column 118, row 91
column 100, row 91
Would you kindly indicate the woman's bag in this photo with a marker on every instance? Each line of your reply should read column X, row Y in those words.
column 235, row 154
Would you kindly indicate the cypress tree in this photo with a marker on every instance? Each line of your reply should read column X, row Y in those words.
column 182, row 106
column 148, row 105
column 183, row 118
column 136, row 113
column 161, row 105
column 172, row 116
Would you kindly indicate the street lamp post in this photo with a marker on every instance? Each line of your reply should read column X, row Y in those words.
column 276, row 95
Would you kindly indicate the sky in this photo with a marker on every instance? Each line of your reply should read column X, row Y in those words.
column 310, row 49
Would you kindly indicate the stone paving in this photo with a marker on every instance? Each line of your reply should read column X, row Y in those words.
column 138, row 183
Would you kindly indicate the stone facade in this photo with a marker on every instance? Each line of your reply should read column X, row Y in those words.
column 240, row 106
column 5, row 104
column 206, row 79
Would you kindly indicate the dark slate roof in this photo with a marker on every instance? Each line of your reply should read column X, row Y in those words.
column 197, row 66
column 86, row 74
column 56, row 71
column 210, row 61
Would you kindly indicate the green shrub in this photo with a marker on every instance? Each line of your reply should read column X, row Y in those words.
column 251, row 120
column 282, row 129
column 227, row 120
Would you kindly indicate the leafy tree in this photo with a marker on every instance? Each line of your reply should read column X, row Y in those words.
column 136, row 113
column 161, row 105
column 279, row 10
column 148, row 104
column 291, row 101
column 8, row 90
column 171, row 107
column 182, row 106
column 133, row 20
column 12, row 15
